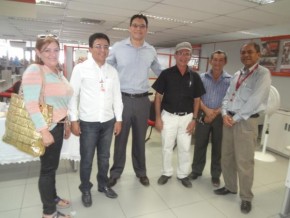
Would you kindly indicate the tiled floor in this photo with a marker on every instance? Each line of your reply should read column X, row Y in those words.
column 19, row 197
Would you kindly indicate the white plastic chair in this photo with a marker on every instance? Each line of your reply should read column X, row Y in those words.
column 272, row 106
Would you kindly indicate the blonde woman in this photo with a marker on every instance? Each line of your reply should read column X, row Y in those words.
column 56, row 92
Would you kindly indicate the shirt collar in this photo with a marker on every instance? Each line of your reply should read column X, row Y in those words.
column 245, row 70
column 128, row 42
column 187, row 70
column 93, row 62
column 224, row 74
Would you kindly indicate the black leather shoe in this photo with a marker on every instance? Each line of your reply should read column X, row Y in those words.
column 223, row 191
column 144, row 180
column 186, row 182
column 112, row 181
column 163, row 179
column 215, row 182
column 110, row 193
column 87, row 198
column 246, row 206
column 194, row 175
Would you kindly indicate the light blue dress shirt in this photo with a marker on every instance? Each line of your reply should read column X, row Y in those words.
column 252, row 95
column 133, row 65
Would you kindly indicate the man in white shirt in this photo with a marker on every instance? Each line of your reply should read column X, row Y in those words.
column 96, row 113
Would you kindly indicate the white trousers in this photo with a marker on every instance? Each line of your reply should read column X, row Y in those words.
column 174, row 129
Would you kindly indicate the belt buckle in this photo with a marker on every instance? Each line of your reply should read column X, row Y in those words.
column 180, row 113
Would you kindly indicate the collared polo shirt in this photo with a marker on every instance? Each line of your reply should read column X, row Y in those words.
column 179, row 91
column 215, row 90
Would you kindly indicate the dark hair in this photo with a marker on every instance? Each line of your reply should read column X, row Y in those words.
column 219, row 52
column 42, row 43
column 140, row 16
column 95, row 36
column 254, row 44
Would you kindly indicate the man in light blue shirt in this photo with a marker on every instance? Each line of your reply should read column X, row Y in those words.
column 246, row 96
column 133, row 58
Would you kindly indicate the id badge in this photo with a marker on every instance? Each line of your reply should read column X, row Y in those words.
column 102, row 86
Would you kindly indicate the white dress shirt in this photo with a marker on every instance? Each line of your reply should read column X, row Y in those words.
column 97, row 96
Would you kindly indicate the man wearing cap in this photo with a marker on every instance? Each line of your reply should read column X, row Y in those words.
column 177, row 100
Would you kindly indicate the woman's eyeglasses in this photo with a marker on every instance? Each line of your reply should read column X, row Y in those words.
column 43, row 36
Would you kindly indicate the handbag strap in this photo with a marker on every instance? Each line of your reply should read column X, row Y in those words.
column 41, row 96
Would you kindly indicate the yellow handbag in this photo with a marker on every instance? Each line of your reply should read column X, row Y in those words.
column 19, row 128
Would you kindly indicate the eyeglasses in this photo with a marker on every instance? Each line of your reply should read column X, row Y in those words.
column 98, row 46
column 43, row 36
column 141, row 26
column 180, row 53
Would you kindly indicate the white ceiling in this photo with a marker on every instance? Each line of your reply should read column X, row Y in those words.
column 212, row 20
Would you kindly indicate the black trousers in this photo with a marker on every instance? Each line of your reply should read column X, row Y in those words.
column 49, row 164
column 203, row 133
column 135, row 116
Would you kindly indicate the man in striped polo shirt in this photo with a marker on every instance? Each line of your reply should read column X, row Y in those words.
column 210, row 123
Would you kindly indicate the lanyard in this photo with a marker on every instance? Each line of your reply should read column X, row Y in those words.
column 240, row 81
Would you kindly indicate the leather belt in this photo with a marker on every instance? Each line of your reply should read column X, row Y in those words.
column 256, row 115
column 135, row 95
column 180, row 113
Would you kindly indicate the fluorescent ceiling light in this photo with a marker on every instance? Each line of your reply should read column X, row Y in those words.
column 250, row 33
column 57, row 4
column 91, row 21
column 120, row 29
column 168, row 19
column 262, row 2
column 27, row 19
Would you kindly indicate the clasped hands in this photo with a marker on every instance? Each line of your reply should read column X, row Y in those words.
column 210, row 115
column 228, row 121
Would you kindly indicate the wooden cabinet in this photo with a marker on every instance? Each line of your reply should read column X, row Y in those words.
column 279, row 133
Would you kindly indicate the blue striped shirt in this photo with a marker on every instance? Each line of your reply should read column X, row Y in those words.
column 215, row 90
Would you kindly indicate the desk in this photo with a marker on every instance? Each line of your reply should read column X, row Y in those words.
column 9, row 154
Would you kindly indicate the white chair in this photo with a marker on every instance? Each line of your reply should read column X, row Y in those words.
column 273, row 105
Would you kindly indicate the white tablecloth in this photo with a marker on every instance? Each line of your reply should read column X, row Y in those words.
column 9, row 154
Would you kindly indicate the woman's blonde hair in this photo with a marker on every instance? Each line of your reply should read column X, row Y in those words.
column 41, row 43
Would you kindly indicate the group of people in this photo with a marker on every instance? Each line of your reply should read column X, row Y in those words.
column 108, row 95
